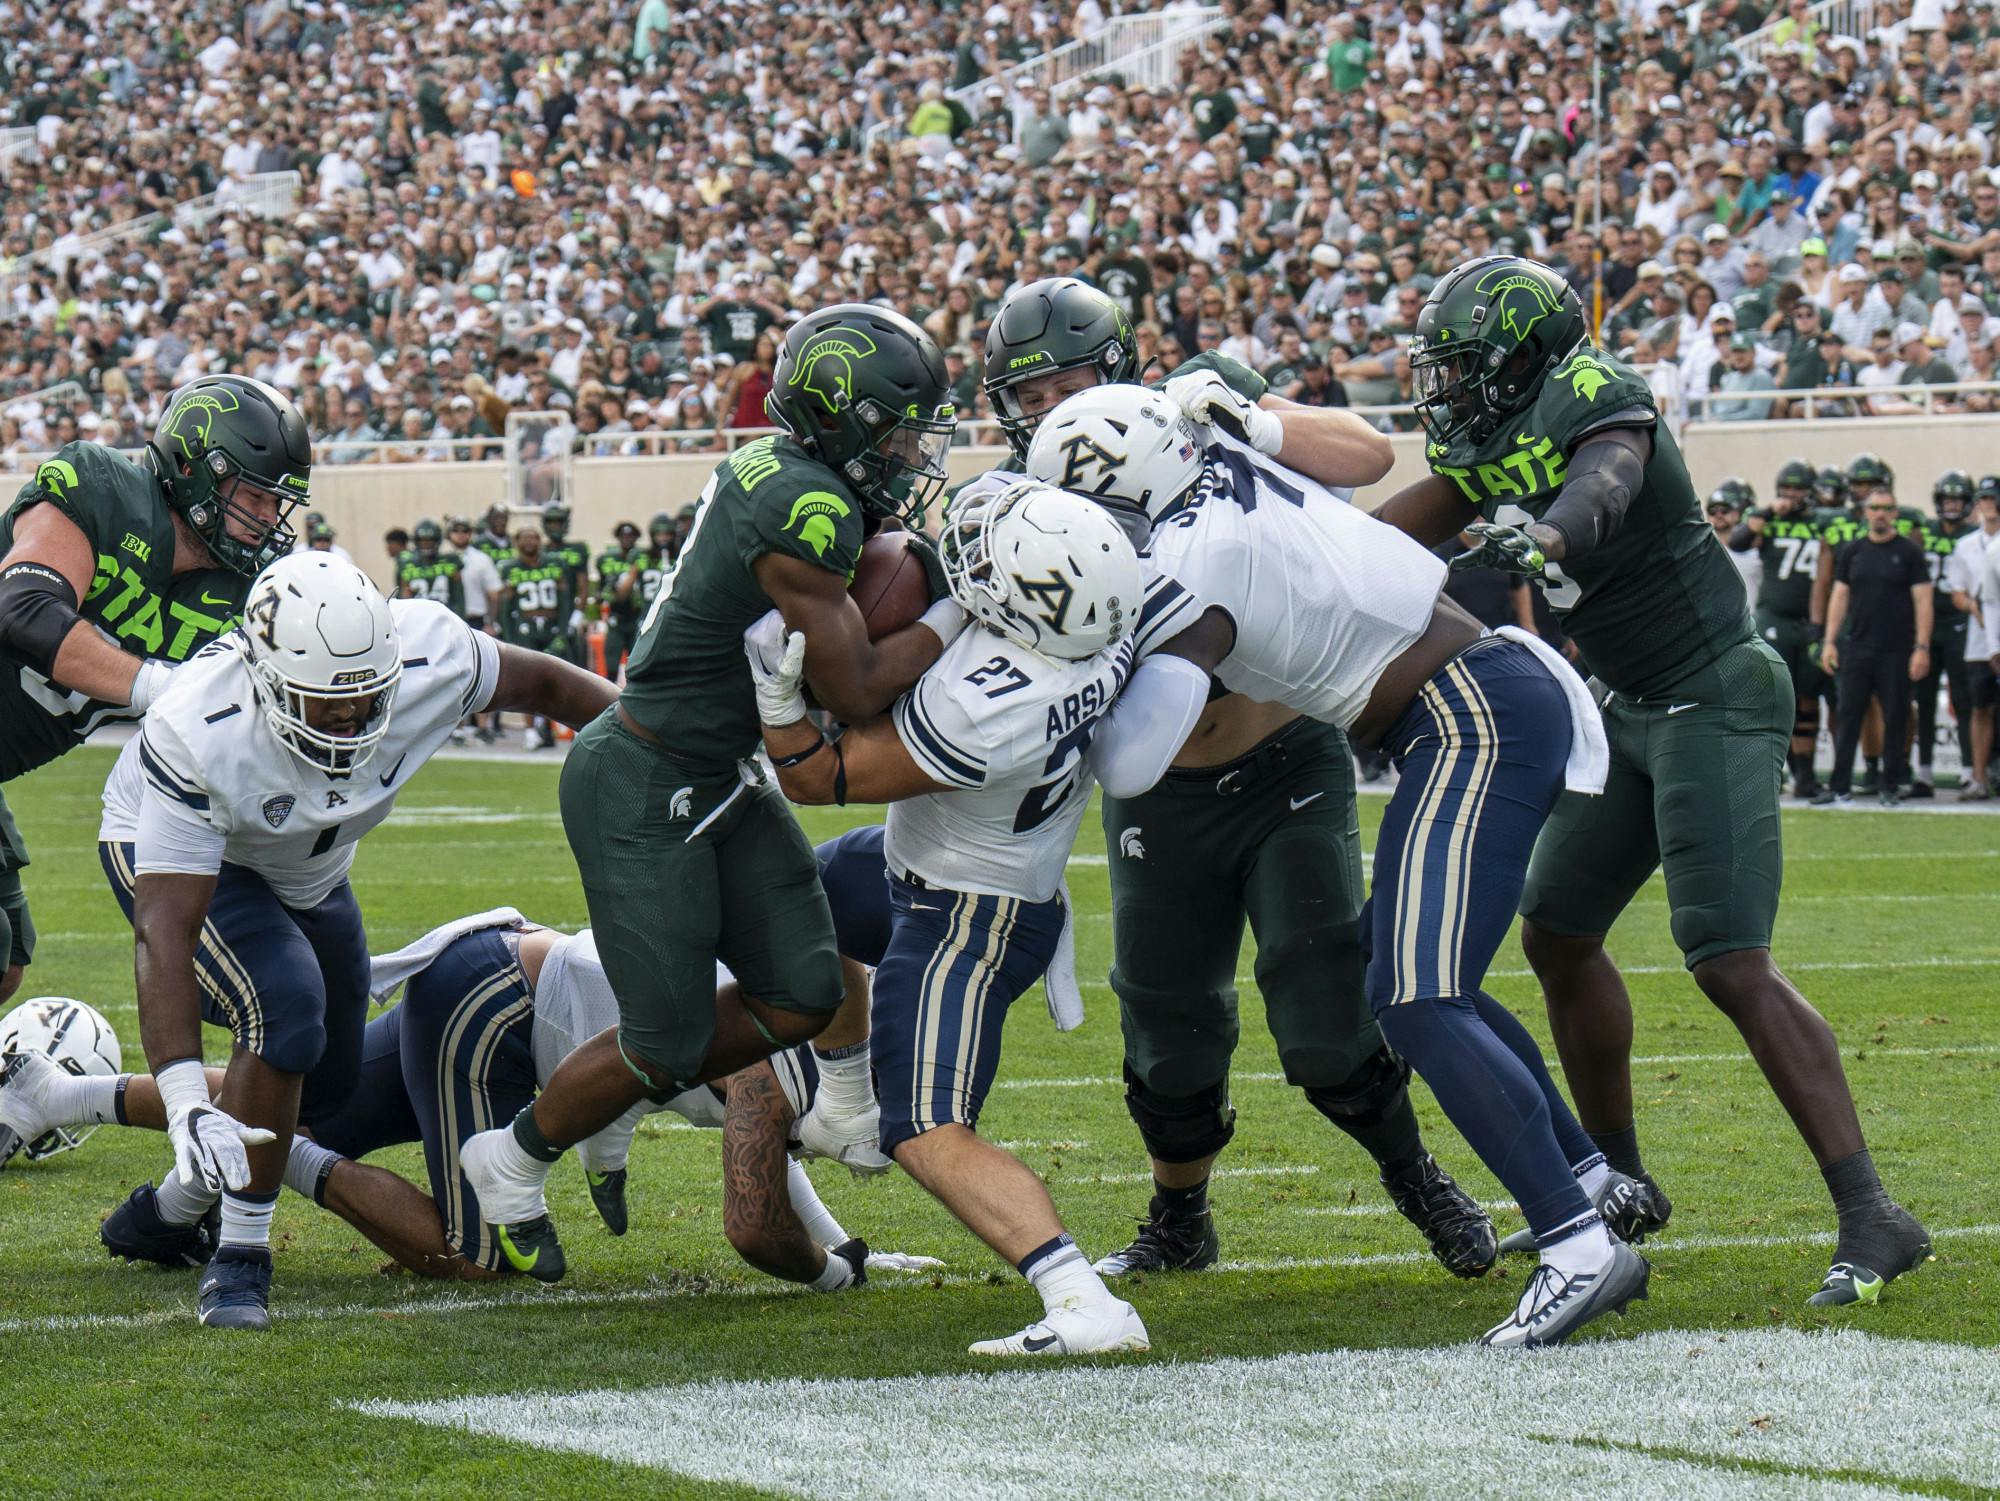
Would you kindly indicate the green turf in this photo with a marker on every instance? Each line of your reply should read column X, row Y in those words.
column 1884, row 927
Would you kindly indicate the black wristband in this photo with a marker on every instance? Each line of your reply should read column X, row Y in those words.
column 839, row 775
column 803, row 756
column 37, row 612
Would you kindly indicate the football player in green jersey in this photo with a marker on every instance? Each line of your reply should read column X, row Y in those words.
column 427, row 571
column 495, row 540
column 1938, row 535
column 111, row 571
column 558, row 546
column 1787, row 538
column 1256, row 821
column 615, row 599
column 1554, row 454
column 688, row 853
column 538, row 610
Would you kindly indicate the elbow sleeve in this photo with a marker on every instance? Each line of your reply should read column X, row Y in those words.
column 1604, row 478
column 1138, row 740
column 37, row 611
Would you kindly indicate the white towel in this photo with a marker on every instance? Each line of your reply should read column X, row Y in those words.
column 1065, row 995
column 387, row 974
column 1589, row 753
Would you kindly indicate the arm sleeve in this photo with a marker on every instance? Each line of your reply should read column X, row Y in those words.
column 176, row 833
column 1605, row 476
column 1138, row 739
column 941, row 736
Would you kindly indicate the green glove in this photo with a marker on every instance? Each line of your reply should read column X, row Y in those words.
column 1507, row 548
column 927, row 554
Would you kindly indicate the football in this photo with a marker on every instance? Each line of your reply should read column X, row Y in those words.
column 889, row 584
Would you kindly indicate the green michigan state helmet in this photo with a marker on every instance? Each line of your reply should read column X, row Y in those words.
column 1865, row 472
column 1951, row 496
column 1732, row 494
column 555, row 521
column 426, row 537
column 223, row 440
column 1487, row 337
column 864, row 390
column 660, row 529
column 1794, row 484
column 1057, row 323
column 1830, row 487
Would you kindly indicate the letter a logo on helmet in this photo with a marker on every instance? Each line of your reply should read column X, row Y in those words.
column 1519, row 300
column 826, row 366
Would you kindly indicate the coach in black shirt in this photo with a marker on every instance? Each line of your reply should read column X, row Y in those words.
column 1882, row 596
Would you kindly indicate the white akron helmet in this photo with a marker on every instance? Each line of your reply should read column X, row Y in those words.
column 1130, row 449
column 1049, row 571
column 77, row 1037
column 317, row 628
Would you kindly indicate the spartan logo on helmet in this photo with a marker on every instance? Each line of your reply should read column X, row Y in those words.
column 1079, row 454
column 189, row 421
column 1519, row 300
column 1052, row 595
column 826, row 366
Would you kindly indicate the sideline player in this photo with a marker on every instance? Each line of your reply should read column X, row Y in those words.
column 983, row 766
column 538, row 610
column 1289, row 594
column 1561, row 450
column 230, row 824
column 427, row 571
column 112, row 571
column 1788, row 538
column 1256, row 821
column 1939, row 536
column 687, row 853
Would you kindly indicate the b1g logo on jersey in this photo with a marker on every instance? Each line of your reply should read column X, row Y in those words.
column 278, row 809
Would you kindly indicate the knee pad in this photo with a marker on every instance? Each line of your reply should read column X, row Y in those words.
column 1180, row 1128
column 1367, row 1095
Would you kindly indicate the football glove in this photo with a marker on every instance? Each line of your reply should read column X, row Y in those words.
column 777, row 669
column 925, row 551
column 901, row 1261
column 208, row 1147
column 1208, row 398
column 1507, row 548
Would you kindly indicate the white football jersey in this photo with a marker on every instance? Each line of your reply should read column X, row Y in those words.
column 1006, row 728
column 1324, row 596
column 206, row 780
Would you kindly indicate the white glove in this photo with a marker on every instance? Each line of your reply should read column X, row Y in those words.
column 777, row 668
column 854, row 1141
column 1209, row 399
column 900, row 1261
column 576, row 622
column 208, row 1147
column 148, row 683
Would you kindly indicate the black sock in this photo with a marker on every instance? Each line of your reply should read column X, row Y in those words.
column 530, row 1138
column 1391, row 1138
column 1853, row 1183
column 1181, row 1203
column 1621, row 1150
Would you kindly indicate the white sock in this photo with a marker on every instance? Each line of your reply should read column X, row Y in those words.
column 813, row 1214
column 1593, row 1175
column 1586, row 1251
column 515, row 1162
column 307, row 1167
column 246, row 1218
column 846, row 1084
column 1063, row 1274
column 77, row 1099
column 179, row 1203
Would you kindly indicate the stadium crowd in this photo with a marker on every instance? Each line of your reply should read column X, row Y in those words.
column 604, row 209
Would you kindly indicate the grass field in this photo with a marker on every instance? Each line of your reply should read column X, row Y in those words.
column 1325, row 1358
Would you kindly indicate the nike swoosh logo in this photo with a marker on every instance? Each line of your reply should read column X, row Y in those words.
column 1522, row 438
column 1036, row 1346
column 1673, row 709
column 521, row 1263
column 390, row 775
column 225, row 602
column 1311, row 797
column 596, row 1180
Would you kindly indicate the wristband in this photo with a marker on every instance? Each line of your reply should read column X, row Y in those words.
column 148, row 683
column 945, row 620
column 183, row 1086
column 783, row 762
column 836, row 1274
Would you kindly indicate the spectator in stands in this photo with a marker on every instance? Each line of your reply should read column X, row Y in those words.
column 1741, row 375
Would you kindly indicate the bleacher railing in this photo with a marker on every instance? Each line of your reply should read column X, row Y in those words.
column 18, row 142
column 1845, row 401
column 1855, row 18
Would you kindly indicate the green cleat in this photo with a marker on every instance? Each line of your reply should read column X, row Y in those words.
column 531, row 1246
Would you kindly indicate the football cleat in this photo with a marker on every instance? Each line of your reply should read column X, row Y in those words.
column 1557, row 1304
column 25, row 1080
column 1075, row 1328
column 505, row 1196
column 1871, row 1255
column 1166, row 1243
column 531, row 1246
column 855, row 1141
column 607, row 1192
column 236, row 1288
column 1632, row 1209
column 1459, row 1231
column 136, row 1231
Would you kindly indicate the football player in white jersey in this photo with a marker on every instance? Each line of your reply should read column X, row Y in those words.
column 229, row 827
column 1296, row 597
column 982, row 764
column 490, row 1005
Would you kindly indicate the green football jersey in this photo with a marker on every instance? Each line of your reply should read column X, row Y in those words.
column 538, row 604
column 612, row 565
column 1660, row 599
column 135, row 597
column 686, row 681
column 574, row 556
column 1789, row 547
column 1938, row 545
column 442, row 579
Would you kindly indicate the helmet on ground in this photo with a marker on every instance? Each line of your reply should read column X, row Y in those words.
column 78, row 1038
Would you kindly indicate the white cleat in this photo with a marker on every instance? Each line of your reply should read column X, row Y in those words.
column 1076, row 1329
column 854, row 1141
column 1556, row 1305
column 505, row 1197
column 25, row 1114
column 531, row 739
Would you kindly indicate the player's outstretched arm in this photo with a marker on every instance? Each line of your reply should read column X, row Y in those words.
column 1605, row 475
column 1432, row 510
column 42, row 579
column 853, row 679
column 533, row 682
column 1329, row 444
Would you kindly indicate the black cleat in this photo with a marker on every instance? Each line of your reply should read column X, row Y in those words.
column 1166, row 1243
column 136, row 1231
column 1459, row 1231
column 607, row 1192
column 531, row 1246
column 1873, row 1251
column 236, row 1288
column 1920, row 791
column 1632, row 1209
